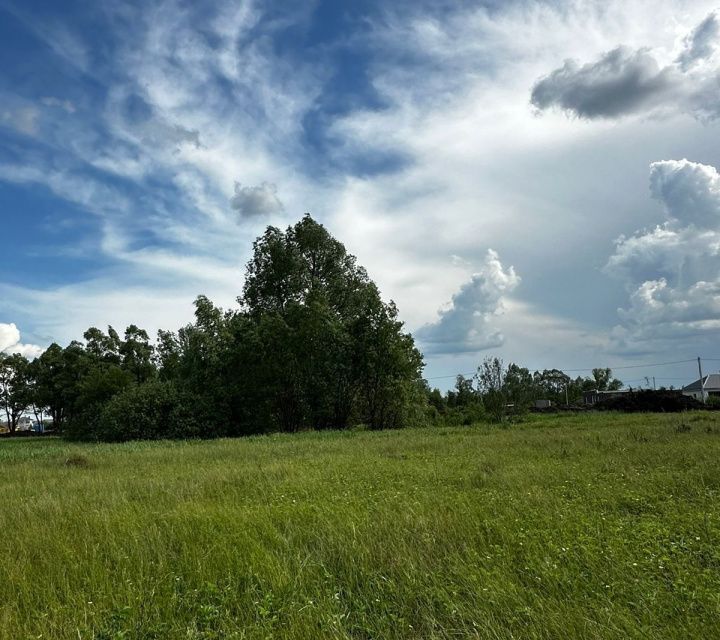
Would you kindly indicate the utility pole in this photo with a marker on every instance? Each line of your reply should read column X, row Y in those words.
column 654, row 387
column 702, row 381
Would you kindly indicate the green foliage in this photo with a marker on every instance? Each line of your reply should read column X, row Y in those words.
column 312, row 346
column 57, row 375
column 150, row 411
column 497, row 392
column 491, row 379
column 15, row 387
column 604, row 381
column 519, row 388
column 335, row 350
column 137, row 354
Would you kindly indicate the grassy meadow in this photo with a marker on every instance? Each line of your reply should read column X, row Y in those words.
column 569, row 526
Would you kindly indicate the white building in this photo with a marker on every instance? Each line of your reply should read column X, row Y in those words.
column 709, row 383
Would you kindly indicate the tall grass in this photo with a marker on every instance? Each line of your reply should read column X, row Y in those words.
column 600, row 526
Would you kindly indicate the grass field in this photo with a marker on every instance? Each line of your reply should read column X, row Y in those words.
column 593, row 526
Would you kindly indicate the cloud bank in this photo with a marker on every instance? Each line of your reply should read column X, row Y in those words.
column 467, row 325
column 672, row 272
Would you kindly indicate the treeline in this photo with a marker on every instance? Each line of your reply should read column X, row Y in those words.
column 312, row 345
column 497, row 391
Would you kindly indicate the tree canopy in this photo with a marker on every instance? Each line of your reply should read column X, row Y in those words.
column 311, row 345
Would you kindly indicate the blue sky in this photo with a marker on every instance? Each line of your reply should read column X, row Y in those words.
column 535, row 180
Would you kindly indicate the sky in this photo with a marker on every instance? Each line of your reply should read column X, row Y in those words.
column 534, row 180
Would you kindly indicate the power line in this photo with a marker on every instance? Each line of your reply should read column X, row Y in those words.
column 619, row 368
column 656, row 378
column 634, row 366
column 454, row 375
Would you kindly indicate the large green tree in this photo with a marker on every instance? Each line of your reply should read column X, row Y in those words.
column 335, row 351
column 57, row 373
column 14, row 388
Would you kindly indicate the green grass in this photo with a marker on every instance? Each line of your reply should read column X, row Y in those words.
column 596, row 526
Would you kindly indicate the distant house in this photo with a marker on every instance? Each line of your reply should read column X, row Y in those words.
column 710, row 383
column 24, row 424
column 595, row 396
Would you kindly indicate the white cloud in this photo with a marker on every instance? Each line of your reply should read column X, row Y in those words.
column 9, row 336
column 673, row 271
column 10, row 342
column 667, row 251
column 693, row 308
column 689, row 191
column 467, row 324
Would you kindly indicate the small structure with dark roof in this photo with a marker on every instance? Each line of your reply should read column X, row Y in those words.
column 709, row 383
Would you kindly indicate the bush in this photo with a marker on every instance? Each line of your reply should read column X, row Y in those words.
column 462, row 416
column 150, row 411
column 645, row 401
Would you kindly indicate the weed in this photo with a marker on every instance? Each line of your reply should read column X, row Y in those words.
column 77, row 460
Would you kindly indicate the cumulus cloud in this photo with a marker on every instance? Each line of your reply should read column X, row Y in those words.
column 702, row 43
column 656, row 304
column 467, row 325
column 672, row 272
column 627, row 81
column 257, row 201
column 689, row 191
column 10, row 342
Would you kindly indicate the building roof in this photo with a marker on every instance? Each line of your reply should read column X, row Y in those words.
column 712, row 383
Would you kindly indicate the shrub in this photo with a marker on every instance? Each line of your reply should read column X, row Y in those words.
column 149, row 411
column 649, row 401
